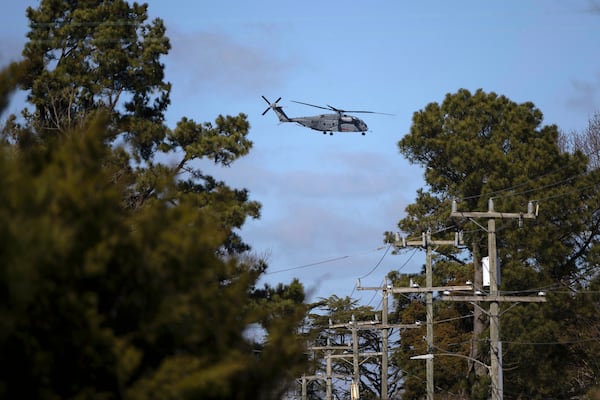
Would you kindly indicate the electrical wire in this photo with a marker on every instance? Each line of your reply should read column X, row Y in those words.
column 441, row 321
column 377, row 265
column 378, row 262
column 529, row 180
column 509, row 190
column 373, row 297
column 329, row 260
column 587, row 340
column 325, row 261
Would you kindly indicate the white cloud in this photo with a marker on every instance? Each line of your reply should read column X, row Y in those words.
column 216, row 61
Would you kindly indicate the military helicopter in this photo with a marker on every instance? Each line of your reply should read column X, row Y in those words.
column 326, row 123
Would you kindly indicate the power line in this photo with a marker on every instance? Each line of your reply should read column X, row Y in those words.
column 325, row 261
column 441, row 321
column 308, row 265
column 498, row 193
column 378, row 262
column 523, row 343
column 511, row 188
column 377, row 265
column 587, row 340
column 373, row 297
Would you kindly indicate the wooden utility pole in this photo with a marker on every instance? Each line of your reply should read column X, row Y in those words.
column 494, row 297
column 328, row 371
column 384, row 347
column 354, row 326
column 387, row 289
column 356, row 373
column 427, row 243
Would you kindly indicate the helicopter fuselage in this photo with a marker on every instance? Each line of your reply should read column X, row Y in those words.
column 332, row 123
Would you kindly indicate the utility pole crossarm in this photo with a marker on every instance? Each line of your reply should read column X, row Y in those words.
column 370, row 325
column 427, row 241
column 419, row 289
column 316, row 348
column 350, row 325
column 321, row 377
column 512, row 299
column 430, row 289
column 491, row 213
column 369, row 287
column 377, row 353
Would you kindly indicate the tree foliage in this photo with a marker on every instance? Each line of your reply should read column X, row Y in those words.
column 482, row 146
column 90, row 55
column 123, row 277
column 587, row 141
column 330, row 324
column 86, row 56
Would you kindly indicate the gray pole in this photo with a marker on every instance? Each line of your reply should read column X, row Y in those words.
column 429, row 305
column 494, row 309
column 494, row 297
column 354, row 326
column 385, row 326
column 384, row 344
column 355, row 349
column 329, row 373
column 479, row 324
column 304, row 391
column 427, row 243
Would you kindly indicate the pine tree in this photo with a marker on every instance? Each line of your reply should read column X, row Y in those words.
column 480, row 146
column 122, row 277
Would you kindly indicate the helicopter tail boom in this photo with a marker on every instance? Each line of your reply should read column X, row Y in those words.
column 277, row 109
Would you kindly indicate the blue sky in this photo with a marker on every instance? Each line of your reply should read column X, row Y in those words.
column 328, row 199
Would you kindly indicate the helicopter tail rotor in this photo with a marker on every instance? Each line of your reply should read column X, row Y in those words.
column 276, row 109
column 271, row 105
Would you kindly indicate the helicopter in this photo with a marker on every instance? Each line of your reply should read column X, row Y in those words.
column 326, row 123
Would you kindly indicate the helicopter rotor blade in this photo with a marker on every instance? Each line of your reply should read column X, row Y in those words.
column 271, row 105
column 312, row 105
column 339, row 110
column 268, row 108
column 359, row 111
column 365, row 112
